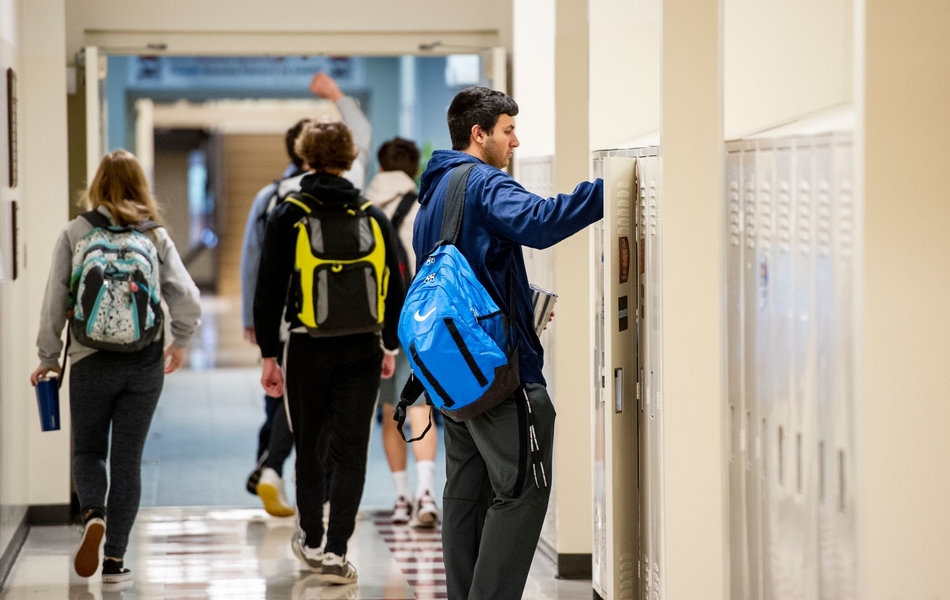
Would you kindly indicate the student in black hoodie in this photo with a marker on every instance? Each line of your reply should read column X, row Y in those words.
column 331, row 369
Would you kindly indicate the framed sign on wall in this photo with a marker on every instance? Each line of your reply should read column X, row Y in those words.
column 12, row 125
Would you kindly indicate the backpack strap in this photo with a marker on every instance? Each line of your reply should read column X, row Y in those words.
column 298, row 202
column 410, row 393
column 402, row 211
column 146, row 225
column 455, row 203
column 96, row 219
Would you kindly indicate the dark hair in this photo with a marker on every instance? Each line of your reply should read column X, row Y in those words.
column 291, row 138
column 399, row 154
column 477, row 106
column 326, row 145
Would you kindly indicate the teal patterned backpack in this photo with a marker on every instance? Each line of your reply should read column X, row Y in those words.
column 114, row 292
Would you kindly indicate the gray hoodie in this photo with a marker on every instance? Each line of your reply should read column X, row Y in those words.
column 178, row 291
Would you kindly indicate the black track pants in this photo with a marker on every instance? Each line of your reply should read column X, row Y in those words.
column 331, row 387
column 492, row 508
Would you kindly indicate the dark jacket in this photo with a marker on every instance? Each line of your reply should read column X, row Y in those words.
column 500, row 217
column 277, row 274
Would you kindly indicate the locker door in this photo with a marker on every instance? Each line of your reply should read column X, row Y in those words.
column 749, row 417
column 738, row 584
column 826, row 348
column 841, row 457
column 615, row 406
column 651, row 430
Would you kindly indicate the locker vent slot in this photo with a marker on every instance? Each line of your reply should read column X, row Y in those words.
column 842, row 498
column 732, row 433
column 821, row 472
column 749, row 431
column 798, row 460
column 781, row 456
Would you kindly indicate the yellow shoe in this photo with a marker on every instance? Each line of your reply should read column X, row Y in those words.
column 270, row 488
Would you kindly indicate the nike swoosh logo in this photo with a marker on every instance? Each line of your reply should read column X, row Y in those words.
column 422, row 318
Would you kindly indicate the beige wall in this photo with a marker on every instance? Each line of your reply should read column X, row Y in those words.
column 288, row 26
column 34, row 466
column 533, row 76
column 624, row 71
column 45, row 180
column 13, row 476
column 691, row 303
column 905, row 382
column 783, row 60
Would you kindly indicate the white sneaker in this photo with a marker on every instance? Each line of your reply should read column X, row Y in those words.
column 270, row 488
column 86, row 561
column 427, row 513
column 402, row 511
column 337, row 570
column 312, row 558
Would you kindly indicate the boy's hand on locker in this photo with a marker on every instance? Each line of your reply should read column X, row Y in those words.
column 272, row 380
column 173, row 359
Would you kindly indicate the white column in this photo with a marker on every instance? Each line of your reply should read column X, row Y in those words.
column 692, row 280
column 145, row 137
column 45, row 201
column 572, row 383
column 407, row 97
column 499, row 69
column 904, row 382
column 93, row 113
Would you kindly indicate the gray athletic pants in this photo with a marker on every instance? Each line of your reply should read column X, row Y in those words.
column 492, row 508
column 118, row 389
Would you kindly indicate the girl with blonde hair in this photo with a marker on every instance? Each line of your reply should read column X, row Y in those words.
column 118, row 356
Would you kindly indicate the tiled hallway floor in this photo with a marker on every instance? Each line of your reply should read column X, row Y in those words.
column 242, row 554
column 201, row 535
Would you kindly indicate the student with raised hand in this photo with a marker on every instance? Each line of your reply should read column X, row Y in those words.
column 329, row 267
column 274, row 438
column 111, row 267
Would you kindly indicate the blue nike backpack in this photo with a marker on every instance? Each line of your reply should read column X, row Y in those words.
column 459, row 343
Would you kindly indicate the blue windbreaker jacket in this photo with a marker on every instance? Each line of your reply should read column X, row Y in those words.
column 500, row 217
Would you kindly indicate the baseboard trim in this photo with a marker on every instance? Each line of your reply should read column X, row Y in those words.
column 574, row 566
column 49, row 514
column 13, row 550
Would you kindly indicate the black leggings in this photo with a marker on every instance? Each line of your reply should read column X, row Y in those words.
column 121, row 390
column 331, row 389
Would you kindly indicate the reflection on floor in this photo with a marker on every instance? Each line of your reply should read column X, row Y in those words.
column 242, row 554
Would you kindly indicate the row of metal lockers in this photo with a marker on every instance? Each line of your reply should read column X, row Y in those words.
column 789, row 223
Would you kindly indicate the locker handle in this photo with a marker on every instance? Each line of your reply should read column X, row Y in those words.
column 618, row 390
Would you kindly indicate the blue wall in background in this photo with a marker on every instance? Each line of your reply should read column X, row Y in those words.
column 376, row 81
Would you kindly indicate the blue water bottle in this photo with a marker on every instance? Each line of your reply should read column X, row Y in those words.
column 47, row 397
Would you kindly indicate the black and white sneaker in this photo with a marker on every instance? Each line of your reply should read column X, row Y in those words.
column 114, row 573
column 337, row 570
column 86, row 561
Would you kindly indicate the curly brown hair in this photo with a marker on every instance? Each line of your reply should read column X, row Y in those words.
column 326, row 145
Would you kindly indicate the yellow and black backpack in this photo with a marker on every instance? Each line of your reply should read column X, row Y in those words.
column 340, row 259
